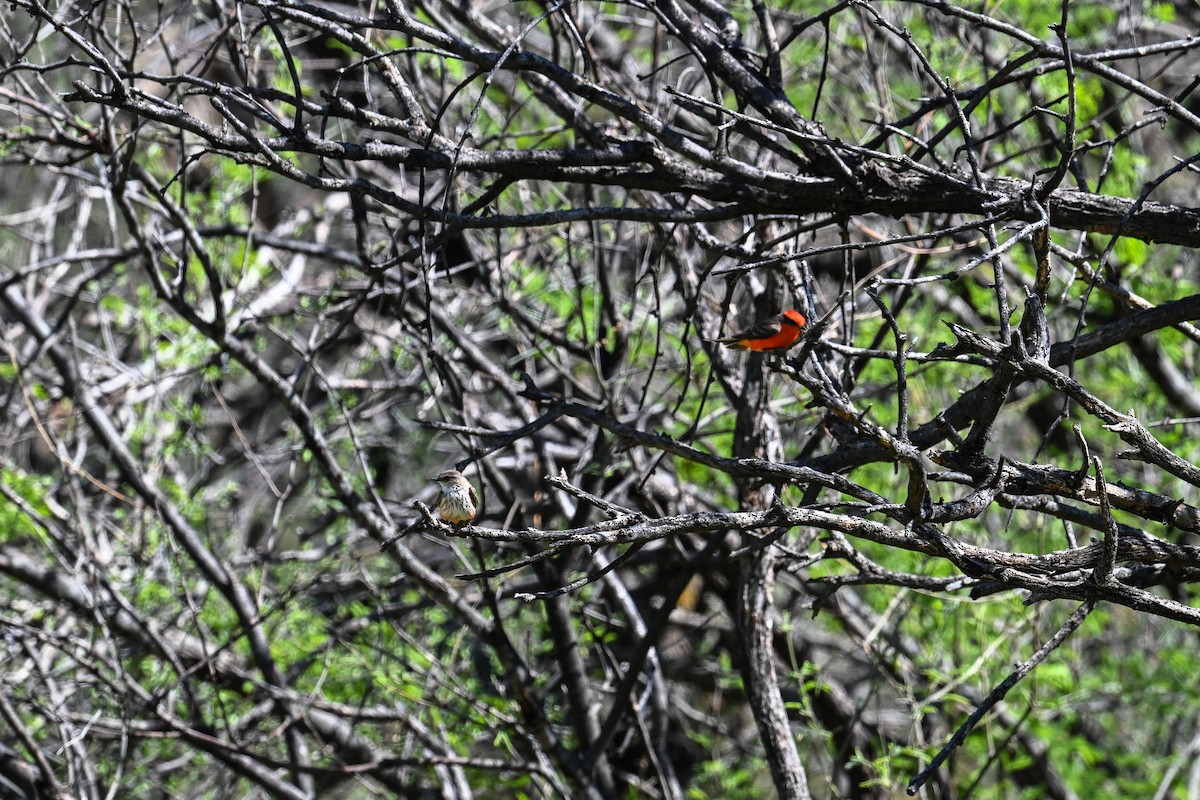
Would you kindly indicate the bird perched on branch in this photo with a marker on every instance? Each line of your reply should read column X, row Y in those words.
column 458, row 501
column 774, row 333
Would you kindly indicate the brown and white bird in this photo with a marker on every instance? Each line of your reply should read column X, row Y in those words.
column 458, row 501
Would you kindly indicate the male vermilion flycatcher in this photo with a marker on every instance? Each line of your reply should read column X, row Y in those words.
column 458, row 501
column 774, row 333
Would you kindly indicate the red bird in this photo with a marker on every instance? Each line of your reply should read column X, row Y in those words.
column 775, row 333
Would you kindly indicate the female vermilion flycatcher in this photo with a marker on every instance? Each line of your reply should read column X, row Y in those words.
column 775, row 333
column 458, row 501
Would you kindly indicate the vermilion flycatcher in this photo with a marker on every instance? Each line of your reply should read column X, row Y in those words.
column 775, row 333
column 458, row 501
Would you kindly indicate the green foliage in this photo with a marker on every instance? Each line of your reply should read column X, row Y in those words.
column 1162, row 12
column 719, row 778
column 15, row 524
